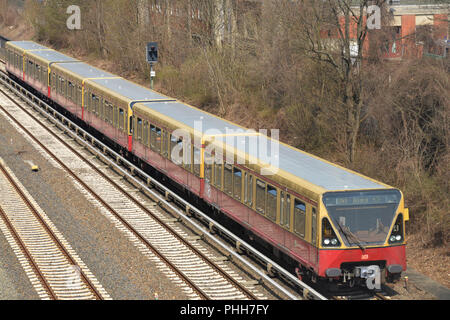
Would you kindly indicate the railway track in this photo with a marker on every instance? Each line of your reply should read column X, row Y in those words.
column 54, row 269
column 181, row 260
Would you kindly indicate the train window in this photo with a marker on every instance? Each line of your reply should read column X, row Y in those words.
column 165, row 144
column 155, row 139
column 131, row 123
column 176, row 150
column 299, row 217
column 208, row 167
column 285, row 209
column 139, row 129
column 271, row 203
column 38, row 72
column 95, row 102
column 70, row 90
column 197, row 161
column 121, row 119
column 260, row 196
column 145, row 140
column 30, row 67
column 313, row 226
column 101, row 113
column 228, row 179
column 158, row 139
column 89, row 101
column 79, row 95
column 218, row 175
column 45, row 76
column 107, row 111
column 248, row 189
column 237, row 183
column 187, row 156
column 115, row 117
column 62, row 86
column 179, row 160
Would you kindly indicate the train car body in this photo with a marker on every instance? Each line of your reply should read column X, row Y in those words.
column 118, row 96
column 335, row 224
column 16, row 54
column 38, row 68
column 68, row 83
column 286, row 208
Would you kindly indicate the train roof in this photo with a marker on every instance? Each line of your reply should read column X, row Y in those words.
column 316, row 171
column 85, row 70
column 190, row 116
column 130, row 90
column 27, row 45
column 51, row 56
column 308, row 167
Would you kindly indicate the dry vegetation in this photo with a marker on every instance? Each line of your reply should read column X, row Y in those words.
column 267, row 66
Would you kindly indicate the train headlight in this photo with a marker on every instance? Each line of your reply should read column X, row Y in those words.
column 329, row 238
column 396, row 236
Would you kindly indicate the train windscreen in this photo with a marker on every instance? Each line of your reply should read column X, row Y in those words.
column 362, row 217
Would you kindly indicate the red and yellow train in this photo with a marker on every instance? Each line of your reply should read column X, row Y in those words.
column 326, row 221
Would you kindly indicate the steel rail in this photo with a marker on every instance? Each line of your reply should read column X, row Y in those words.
column 52, row 235
column 28, row 255
column 118, row 158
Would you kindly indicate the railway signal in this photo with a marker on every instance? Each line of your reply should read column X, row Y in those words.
column 152, row 58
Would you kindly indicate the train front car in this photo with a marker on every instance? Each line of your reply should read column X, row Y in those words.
column 363, row 237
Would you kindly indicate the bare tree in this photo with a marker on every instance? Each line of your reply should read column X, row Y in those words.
column 335, row 32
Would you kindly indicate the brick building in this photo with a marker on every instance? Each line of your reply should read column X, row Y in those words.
column 417, row 27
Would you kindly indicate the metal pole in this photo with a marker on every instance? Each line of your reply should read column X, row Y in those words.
column 151, row 76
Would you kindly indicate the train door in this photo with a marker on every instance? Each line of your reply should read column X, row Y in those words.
column 314, row 251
